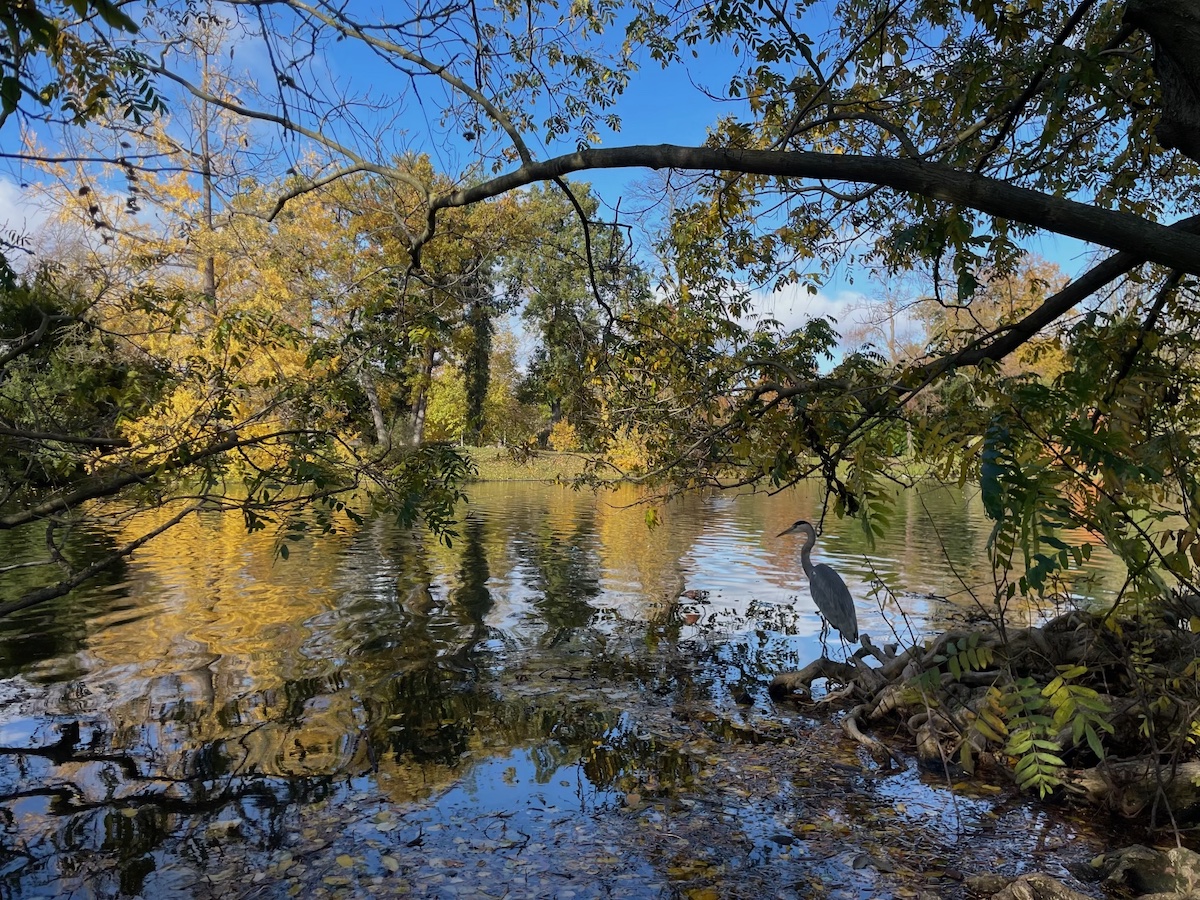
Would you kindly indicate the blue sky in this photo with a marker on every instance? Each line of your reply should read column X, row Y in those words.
column 659, row 106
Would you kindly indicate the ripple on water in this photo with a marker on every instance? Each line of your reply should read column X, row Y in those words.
column 531, row 711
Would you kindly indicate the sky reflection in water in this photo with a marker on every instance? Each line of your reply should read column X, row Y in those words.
column 530, row 710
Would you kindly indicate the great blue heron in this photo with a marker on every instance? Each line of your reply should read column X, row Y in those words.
column 829, row 592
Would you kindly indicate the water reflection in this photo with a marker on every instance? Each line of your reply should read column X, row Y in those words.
column 56, row 632
column 219, row 713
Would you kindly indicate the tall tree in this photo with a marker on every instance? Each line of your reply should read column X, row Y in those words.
column 568, row 270
column 477, row 360
column 938, row 136
column 887, row 321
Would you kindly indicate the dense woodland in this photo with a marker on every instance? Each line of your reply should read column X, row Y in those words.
column 262, row 289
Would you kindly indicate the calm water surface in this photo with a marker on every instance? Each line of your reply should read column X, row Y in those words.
column 530, row 712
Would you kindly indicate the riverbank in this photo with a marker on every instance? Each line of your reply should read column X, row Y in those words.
column 511, row 464
column 505, row 464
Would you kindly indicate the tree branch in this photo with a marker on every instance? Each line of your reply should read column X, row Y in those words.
column 83, row 440
column 289, row 125
column 1141, row 238
column 41, row 595
column 343, row 24
column 991, row 348
column 1035, row 83
column 107, row 487
column 28, row 342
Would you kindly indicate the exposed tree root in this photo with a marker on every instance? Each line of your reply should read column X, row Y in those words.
column 880, row 752
column 1138, row 788
column 1107, row 710
column 798, row 685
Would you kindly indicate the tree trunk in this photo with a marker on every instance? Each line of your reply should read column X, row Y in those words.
column 1174, row 29
column 383, row 435
column 209, row 269
column 421, row 397
column 476, row 373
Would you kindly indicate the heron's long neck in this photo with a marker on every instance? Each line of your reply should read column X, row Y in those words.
column 810, row 538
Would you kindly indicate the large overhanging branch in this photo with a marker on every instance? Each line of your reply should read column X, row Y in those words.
column 993, row 347
column 1004, row 341
column 143, row 472
column 1122, row 231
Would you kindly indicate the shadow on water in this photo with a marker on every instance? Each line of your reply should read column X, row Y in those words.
column 531, row 712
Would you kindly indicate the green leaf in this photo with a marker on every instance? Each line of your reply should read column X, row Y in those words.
column 1093, row 741
column 1019, row 744
column 10, row 94
column 1025, row 763
column 114, row 17
column 992, row 471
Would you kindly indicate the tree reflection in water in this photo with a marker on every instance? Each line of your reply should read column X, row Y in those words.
column 386, row 714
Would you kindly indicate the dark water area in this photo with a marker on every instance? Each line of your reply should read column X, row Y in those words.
column 532, row 712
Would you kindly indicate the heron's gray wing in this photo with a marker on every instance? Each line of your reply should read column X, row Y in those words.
column 833, row 599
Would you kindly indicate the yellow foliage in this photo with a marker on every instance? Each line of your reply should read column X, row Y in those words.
column 563, row 436
column 627, row 450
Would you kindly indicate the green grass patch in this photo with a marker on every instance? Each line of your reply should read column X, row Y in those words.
column 498, row 464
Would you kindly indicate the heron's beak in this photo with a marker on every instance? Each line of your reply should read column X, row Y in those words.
column 785, row 531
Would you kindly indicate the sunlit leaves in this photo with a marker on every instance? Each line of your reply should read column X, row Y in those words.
column 87, row 73
column 1030, row 739
column 1080, row 708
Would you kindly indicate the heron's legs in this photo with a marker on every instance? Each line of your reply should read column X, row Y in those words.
column 824, row 637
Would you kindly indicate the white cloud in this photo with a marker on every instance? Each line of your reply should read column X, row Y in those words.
column 19, row 211
column 793, row 305
column 875, row 318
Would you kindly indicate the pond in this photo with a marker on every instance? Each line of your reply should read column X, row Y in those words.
column 532, row 712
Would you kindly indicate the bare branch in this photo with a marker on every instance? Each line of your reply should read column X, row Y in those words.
column 56, row 437
column 292, row 126
column 309, row 186
column 344, row 25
